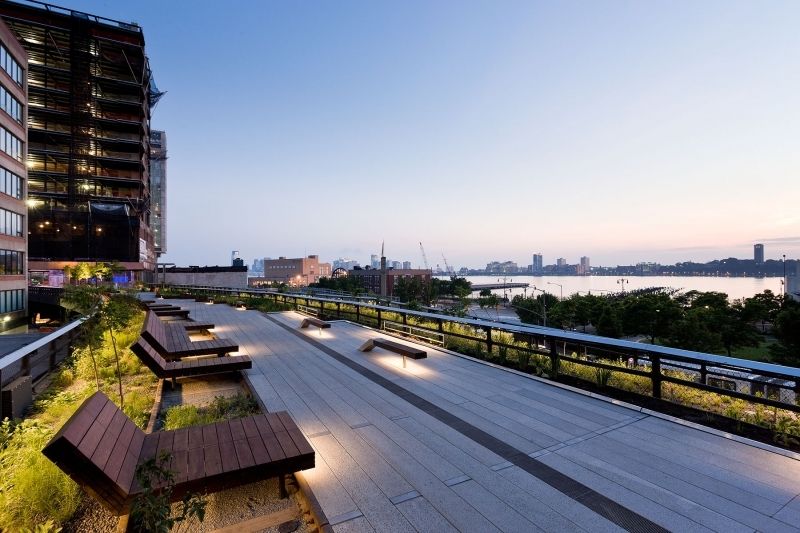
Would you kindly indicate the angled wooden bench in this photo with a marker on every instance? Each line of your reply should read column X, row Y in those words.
column 173, row 342
column 190, row 325
column 172, row 370
column 99, row 447
column 311, row 321
column 184, row 313
column 396, row 347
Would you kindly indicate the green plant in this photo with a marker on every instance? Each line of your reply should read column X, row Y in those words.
column 151, row 511
column 786, row 429
column 220, row 408
column 32, row 489
column 46, row 527
column 523, row 359
column 602, row 376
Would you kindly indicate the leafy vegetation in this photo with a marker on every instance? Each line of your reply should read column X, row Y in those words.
column 32, row 489
column 220, row 408
column 151, row 511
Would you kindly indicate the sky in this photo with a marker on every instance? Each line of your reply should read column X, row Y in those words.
column 487, row 130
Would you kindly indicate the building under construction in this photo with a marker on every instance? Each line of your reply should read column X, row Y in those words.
column 90, row 97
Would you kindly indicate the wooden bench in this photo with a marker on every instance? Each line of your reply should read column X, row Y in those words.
column 172, row 370
column 172, row 340
column 396, row 347
column 311, row 321
column 99, row 447
column 190, row 325
column 184, row 313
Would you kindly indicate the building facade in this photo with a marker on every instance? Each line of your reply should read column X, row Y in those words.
column 758, row 254
column 207, row 276
column 297, row 272
column 13, row 180
column 382, row 281
column 158, row 190
column 537, row 266
column 89, row 89
column 584, row 267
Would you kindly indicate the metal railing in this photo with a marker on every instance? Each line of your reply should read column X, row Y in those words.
column 753, row 381
column 39, row 357
column 422, row 334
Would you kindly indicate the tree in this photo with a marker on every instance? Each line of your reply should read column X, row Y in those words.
column 81, row 271
column 787, row 331
column 87, row 301
column 609, row 323
column 116, row 312
column 762, row 307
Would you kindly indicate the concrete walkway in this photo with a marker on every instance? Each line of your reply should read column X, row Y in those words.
column 450, row 444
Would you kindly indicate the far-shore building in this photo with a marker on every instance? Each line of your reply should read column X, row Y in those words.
column 584, row 267
column 758, row 254
column 538, row 264
column 206, row 276
column 13, row 180
column 383, row 280
column 295, row 272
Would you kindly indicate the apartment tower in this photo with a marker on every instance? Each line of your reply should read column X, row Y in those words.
column 13, row 177
column 90, row 96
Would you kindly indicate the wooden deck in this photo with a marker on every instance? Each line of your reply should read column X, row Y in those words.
column 448, row 444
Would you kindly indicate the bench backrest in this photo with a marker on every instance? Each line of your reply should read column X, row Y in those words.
column 149, row 356
column 155, row 331
column 99, row 448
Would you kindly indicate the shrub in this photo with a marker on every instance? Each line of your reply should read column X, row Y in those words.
column 32, row 489
column 221, row 408
column 602, row 376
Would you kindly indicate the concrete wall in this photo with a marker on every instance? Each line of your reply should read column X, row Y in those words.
column 208, row 279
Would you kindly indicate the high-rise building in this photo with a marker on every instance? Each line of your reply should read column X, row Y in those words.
column 584, row 268
column 90, row 95
column 158, row 190
column 374, row 261
column 406, row 265
column 758, row 254
column 561, row 262
column 537, row 267
column 13, row 175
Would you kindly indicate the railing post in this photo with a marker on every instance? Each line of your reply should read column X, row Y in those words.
column 655, row 374
column 358, row 314
column 554, row 360
column 379, row 319
column 338, row 309
column 26, row 363
column 441, row 325
column 703, row 373
column 489, row 343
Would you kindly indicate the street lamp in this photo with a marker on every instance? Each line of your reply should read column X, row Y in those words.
column 783, row 292
column 560, row 286
column 544, row 303
column 621, row 282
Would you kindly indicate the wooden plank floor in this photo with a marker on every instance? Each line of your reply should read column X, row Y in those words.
column 385, row 464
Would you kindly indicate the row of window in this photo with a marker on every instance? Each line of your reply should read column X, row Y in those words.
column 11, row 262
column 10, row 144
column 12, row 300
column 10, row 184
column 10, row 105
column 10, row 65
column 10, row 223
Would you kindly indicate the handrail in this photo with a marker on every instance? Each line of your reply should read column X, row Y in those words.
column 585, row 339
column 19, row 353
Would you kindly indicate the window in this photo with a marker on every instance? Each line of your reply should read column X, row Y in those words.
column 10, row 223
column 10, row 144
column 11, row 263
column 10, row 105
column 12, row 300
column 10, row 65
column 10, row 184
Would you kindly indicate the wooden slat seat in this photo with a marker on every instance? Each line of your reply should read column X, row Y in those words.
column 311, row 321
column 172, row 340
column 99, row 447
column 191, row 325
column 396, row 347
column 172, row 312
column 194, row 367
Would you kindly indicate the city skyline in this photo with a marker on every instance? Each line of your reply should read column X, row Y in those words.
column 621, row 132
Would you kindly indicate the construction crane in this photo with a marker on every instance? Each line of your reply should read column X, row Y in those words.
column 446, row 266
column 424, row 257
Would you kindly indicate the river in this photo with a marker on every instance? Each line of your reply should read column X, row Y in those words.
column 735, row 288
